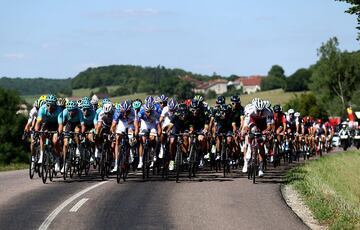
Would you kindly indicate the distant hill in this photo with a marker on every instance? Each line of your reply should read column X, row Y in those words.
column 31, row 86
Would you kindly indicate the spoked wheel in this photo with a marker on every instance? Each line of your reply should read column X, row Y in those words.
column 51, row 171
column 118, row 172
column 44, row 168
column 102, row 168
column 178, row 162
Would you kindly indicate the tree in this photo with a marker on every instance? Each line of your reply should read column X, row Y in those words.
column 307, row 105
column 275, row 79
column 183, row 90
column 102, row 89
column 11, row 126
column 336, row 75
column 298, row 81
column 211, row 94
column 354, row 9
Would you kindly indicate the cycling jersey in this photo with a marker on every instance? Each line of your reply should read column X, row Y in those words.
column 46, row 116
column 198, row 121
column 236, row 114
column 260, row 121
column 167, row 114
column 89, row 120
column 98, row 111
column 32, row 114
column 105, row 119
column 279, row 120
column 148, row 123
column 223, row 122
column 179, row 125
column 124, row 122
column 64, row 117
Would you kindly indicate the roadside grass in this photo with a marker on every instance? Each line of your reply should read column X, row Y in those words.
column 330, row 187
column 13, row 166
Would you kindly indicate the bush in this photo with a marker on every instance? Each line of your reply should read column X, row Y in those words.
column 11, row 127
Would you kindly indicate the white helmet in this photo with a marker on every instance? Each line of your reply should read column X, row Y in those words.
column 94, row 100
column 259, row 105
column 291, row 111
column 248, row 109
column 255, row 100
column 107, row 107
column 267, row 104
column 297, row 114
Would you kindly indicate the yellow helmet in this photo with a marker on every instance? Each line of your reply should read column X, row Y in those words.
column 42, row 98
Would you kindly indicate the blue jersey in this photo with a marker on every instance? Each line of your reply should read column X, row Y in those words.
column 46, row 116
column 89, row 120
column 119, row 116
column 158, row 108
column 152, row 119
column 76, row 118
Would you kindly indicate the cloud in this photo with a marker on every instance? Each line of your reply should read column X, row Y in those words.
column 14, row 56
column 121, row 13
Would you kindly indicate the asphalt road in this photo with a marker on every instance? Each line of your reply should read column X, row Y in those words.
column 206, row 202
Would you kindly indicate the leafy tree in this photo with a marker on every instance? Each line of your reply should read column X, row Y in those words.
column 120, row 91
column 11, row 126
column 307, row 105
column 354, row 9
column 183, row 90
column 102, row 89
column 298, row 81
column 336, row 75
column 275, row 79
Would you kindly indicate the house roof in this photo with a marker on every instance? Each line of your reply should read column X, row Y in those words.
column 250, row 81
column 206, row 85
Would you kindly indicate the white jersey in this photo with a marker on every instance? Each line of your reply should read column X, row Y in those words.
column 167, row 115
column 32, row 114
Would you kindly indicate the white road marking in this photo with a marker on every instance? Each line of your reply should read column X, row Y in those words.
column 78, row 205
column 54, row 213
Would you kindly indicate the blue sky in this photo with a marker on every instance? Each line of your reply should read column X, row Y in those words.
column 57, row 39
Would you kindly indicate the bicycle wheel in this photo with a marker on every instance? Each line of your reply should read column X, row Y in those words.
column 32, row 166
column 87, row 161
column 118, row 172
column 178, row 163
column 44, row 167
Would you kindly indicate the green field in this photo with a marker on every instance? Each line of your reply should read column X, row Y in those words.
column 330, row 187
column 13, row 166
column 277, row 96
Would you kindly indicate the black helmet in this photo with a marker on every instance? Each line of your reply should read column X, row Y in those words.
column 235, row 98
column 224, row 108
column 195, row 104
column 277, row 108
column 220, row 100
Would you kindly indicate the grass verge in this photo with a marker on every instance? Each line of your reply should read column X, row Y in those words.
column 330, row 187
column 13, row 166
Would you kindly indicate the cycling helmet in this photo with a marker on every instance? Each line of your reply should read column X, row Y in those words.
column 267, row 104
column 42, row 98
column 85, row 98
column 61, row 102
column 148, row 106
column 162, row 98
column 136, row 104
column 259, row 105
column 223, row 108
column 319, row 120
column 291, row 111
column 105, row 100
column 277, row 108
column 199, row 98
column 149, row 99
column 71, row 105
column 36, row 104
column 126, row 106
column 107, row 107
column 220, row 100
column 86, row 104
column 51, row 99
column 172, row 104
column 297, row 114
column 195, row 104
column 206, row 105
column 79, row 102
column 235, row 99
column 94, row 100
column 117, row 106
column 139, row 100
column 255, row 100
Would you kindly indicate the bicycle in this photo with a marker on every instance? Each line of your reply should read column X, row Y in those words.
column 34, row 155
column 70, row 163
column 123, row 158
column 148, row 156
column 179, row 154
column 48, row 163
column 253, row 164
column 106, row 155
column 86, row 151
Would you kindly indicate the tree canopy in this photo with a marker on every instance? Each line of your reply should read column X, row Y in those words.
column 354, row 9
column 276, row 78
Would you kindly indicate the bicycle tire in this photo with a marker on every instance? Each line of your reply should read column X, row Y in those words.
column 44, row 168
column 178, row 161
column 32, row 167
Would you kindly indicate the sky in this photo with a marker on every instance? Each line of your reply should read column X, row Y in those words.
column 59, row 39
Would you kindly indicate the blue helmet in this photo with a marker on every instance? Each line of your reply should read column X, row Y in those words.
column 172, row 104
column 85, row 99
column 71, row 105
column 86, row 104
column 148, row 106
column 126, row 106
column 51, row 99
column 162, row 98
column 106, row 100
column 136, row 104
column 149, row 99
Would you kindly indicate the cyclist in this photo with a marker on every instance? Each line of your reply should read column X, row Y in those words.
column 160, row 103
column 166, row 115
column 147, row 121
column 123, row 120
column 47, row 121
column 94, row 102
column 70, row 120
column 260, row 119
column 88, row 116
